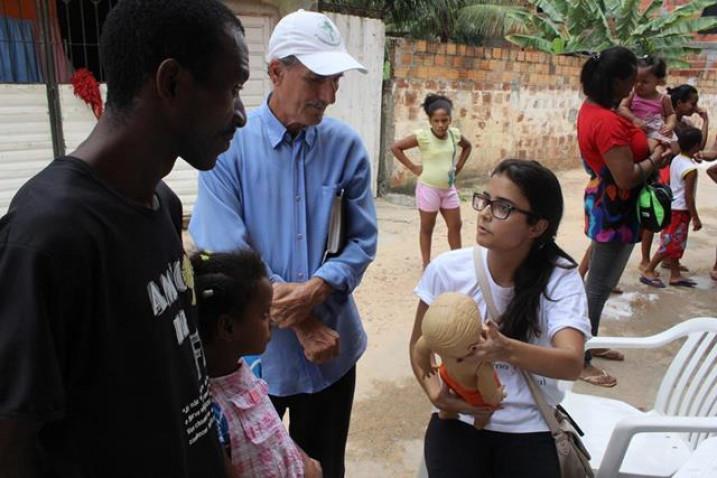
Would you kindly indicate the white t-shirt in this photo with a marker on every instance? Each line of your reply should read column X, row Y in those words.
column 454, row 272
column 680, row 166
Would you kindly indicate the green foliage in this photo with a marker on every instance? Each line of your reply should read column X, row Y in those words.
column 465, row 21
column 580, row 26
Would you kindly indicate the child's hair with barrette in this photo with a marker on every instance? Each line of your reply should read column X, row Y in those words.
column 224, row 283
column 657, row 66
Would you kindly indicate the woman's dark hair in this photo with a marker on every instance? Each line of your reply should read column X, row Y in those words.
column 657, row 66
column 681, row 93
column 436, row 102
column 224, row 283
column 688, row 137
column 541, row 188
column 601, row 70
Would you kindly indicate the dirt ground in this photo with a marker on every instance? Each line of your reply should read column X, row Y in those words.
column 391, row 411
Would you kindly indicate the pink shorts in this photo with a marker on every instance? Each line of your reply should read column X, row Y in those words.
column 432, row 199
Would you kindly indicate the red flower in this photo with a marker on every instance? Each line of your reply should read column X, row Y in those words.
column 86, row 88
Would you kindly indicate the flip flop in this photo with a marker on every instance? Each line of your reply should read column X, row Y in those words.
column 683, row 283
column 617, row 291
column 600, row 380
column 609, row 354
column 656, row 282
column 713, row 275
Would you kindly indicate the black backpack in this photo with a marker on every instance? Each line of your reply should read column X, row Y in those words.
column 654, row 206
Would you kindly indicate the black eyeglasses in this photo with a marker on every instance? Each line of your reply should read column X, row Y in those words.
column 499, row 208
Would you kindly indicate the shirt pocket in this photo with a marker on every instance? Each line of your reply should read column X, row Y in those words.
column 329, row 191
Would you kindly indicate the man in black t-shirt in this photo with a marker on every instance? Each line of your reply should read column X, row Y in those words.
column 101, row 370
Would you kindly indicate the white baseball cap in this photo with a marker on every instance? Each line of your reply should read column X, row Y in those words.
column 315, row 41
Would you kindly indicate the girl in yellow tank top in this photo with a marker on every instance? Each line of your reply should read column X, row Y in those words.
column 444, row 152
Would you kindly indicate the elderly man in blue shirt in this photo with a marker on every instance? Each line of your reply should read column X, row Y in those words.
column 273, row 191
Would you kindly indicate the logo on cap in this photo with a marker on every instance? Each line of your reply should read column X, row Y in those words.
column 328, row 34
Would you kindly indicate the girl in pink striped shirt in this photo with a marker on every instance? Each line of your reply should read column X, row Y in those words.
column 234, row 299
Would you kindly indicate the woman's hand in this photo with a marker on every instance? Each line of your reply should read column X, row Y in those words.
column 640, row 124
column 662, row 155
column 494, row 346
column 444, row 399
column 417, row 169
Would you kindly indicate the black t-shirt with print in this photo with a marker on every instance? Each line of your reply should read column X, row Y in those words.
column 98, row 339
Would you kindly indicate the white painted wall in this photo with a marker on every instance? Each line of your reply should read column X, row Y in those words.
column 359, row 98
column 26, row 141
column 25, row 137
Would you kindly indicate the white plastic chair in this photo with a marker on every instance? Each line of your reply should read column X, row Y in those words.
column 702, row 463
column 626, row 442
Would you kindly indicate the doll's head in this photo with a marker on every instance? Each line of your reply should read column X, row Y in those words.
column 452, row 324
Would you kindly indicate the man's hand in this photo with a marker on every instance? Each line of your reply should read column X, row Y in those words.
column 293, row 301
column 320, row 343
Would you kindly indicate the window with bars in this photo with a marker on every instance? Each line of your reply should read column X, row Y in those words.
column 39, row 35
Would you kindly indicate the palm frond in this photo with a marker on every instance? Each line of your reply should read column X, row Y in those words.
column 531, row 41
column 490, row 20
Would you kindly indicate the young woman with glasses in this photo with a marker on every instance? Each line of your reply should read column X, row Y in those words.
column 542, row 329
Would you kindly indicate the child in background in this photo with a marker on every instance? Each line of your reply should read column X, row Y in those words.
column 711, row 155
column 712, row 173
column 673, row 239
column 649, row 109
column 440, row 164
column 234, row 298
column 654, row 113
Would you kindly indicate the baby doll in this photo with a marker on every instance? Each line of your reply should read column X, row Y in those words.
column 451, row 325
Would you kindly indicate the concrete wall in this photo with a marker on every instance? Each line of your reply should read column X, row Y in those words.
column 358, row 101
column 25, row 137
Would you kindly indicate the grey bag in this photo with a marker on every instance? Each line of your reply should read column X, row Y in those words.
column 573, row 456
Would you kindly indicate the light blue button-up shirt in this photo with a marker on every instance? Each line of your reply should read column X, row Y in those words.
column 273, row 193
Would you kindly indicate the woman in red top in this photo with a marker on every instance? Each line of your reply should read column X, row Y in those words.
column 616, row 156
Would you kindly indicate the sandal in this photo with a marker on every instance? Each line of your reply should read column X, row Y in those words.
column 603, row 379
column 617, row 291
column 608, row 354
column 652, row 282
column 713, row 274
column 683, row 283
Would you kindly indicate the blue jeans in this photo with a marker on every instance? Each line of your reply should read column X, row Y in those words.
column 607, row 262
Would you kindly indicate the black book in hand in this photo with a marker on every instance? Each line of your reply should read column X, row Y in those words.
column 336, row 233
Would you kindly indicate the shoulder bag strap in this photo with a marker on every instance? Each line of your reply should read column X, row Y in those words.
column 482, row 276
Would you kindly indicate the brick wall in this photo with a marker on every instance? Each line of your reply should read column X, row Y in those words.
column 508, row 102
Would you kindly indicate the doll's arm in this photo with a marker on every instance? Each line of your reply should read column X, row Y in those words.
column 492, row 392
column 423, row 357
